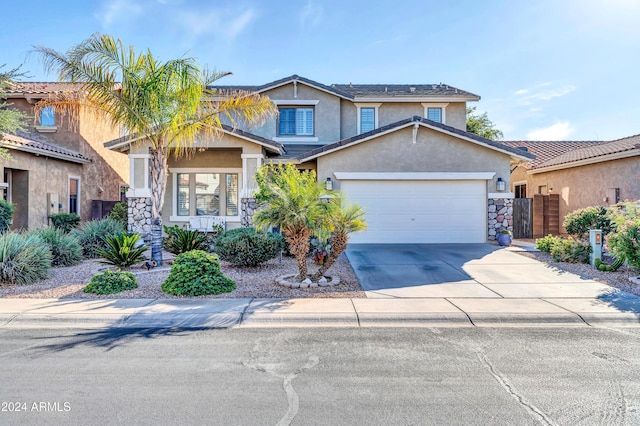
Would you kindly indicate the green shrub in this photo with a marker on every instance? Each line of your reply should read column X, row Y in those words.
column 65, row 248
column 625, row 242
column 248, row 247
column 180, row 240
column 121, row 250
column 570, row 250
column 92, row 235
column 544, row 244
column 197, row 273
column 111, row 282
column 579, row 222
column 120, row 213
column 65, row 221
column 24, row 259
column 6, row 215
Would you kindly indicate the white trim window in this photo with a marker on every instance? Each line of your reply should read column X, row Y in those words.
column 206, row 192
column 367, row 117
column 74, row 194
column 47, row 117
column 295, row 121
column 435, row 112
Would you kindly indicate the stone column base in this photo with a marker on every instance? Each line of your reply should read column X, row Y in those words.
column 500, row 216
column 140, row 217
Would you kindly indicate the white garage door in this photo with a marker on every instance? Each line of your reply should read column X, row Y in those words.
column 413, row 211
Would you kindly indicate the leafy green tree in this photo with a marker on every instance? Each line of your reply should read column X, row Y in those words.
column 11, row 120
column 480, row 125
column 167, row 103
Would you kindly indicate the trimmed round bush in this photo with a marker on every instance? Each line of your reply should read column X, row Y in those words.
column 197, row 273
column 248, row 247
column 65, row 221
column 65, row 248
column 6, row 215
column 544, row 244
column 24, row 259
column 92, row 235
column 579, row 222
column 111, row 282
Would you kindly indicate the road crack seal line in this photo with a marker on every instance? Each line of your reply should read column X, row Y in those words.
column 292, row 396
column 530, row 408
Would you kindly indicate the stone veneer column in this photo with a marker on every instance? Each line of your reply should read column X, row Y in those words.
column 500, row 216
column 248, row 208
column 140, row 216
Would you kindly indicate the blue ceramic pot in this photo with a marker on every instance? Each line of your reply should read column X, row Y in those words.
column 504, row 239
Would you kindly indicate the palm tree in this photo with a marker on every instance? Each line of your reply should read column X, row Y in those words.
column 164, row 102
column 344, row 220
column 291, row 200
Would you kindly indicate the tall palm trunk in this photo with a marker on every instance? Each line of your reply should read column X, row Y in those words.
column 339, row 241
column 299, row 247
column 159, row 181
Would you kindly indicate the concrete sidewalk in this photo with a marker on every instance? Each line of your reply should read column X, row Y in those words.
column 616, row 310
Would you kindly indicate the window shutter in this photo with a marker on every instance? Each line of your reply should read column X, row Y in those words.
column 435, row 114
column 367, row 119
column 287, row 121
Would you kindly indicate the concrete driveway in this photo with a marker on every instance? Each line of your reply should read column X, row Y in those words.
column 462, row 271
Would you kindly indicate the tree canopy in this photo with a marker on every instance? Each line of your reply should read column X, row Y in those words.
column 11, row 120
column 481, row 125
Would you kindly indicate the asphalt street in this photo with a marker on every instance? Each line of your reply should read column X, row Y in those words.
column 399, row 376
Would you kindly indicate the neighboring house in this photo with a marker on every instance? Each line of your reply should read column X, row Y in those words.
column 58, row 166
column 582, row 173
column 400, row 151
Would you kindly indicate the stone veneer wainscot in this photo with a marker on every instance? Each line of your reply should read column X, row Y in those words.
column 500, row 216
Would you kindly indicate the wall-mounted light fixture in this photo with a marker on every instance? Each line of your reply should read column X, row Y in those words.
column 501, row 185
column 328, row 184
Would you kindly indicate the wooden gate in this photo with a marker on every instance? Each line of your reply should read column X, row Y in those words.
column 522, row 218
column 546, row 215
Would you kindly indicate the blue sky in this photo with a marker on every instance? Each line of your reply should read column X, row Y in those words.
column 545, row 69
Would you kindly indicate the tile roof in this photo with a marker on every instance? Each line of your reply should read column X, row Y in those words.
column 631, row 143
column 403, row 123
column 354, row 91
column 34, row 88
column 27, row 144
column 275, row 146
column 546, row 150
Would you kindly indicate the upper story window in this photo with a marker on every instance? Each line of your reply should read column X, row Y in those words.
column 295, row 122
column 47, row 117
column 367, row 119
column 367, row 116
column 435, row 112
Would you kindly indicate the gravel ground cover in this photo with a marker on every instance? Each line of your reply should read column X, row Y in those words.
column 256, row 282
column 618, row 279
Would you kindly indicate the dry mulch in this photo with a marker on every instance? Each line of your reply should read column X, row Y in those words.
column 251, row 282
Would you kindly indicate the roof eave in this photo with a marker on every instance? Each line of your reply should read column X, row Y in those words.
column 586, row 161
column 44, row 153
column 416, row 98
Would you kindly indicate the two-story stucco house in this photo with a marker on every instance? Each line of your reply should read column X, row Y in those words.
column 400, row 151
column 58, row 166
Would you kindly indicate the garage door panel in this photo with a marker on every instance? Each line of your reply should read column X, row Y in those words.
column 420, row 211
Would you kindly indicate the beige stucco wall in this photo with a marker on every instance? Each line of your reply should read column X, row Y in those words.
column 326, row 112
column 35, row 177
column 432, row 152
column 85, row 135
column 588, row 185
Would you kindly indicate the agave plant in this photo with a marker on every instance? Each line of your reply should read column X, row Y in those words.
column 121, row 250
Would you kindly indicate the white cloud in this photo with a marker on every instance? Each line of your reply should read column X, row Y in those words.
column 311, row 15
column 117, row 10
column 542, row 92
column 239, row 24
column 555, row 132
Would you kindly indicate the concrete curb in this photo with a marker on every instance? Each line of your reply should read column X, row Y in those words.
column 285, row 313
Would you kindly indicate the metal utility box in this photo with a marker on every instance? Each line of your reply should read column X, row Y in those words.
column 595, row 241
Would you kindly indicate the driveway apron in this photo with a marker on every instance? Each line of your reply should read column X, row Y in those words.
column 461, row 271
